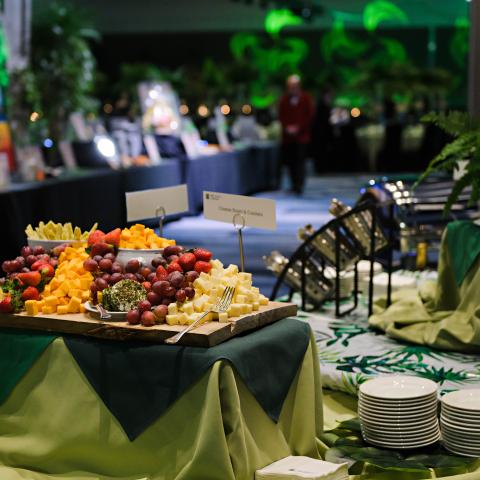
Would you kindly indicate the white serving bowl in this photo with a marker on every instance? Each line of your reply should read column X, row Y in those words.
column 48, row 244
column 145, row 257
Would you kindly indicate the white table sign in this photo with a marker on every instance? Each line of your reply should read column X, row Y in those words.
column 146, row 203
column 257, row 212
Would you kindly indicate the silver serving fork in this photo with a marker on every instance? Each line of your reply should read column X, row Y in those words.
column 103, row 313
column 220, row 306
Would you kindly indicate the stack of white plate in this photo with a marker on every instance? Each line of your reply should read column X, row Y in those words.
column 460, row 422
column 347, row 280
column 398, row 411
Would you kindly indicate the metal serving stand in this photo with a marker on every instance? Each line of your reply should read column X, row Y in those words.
column 305, row 269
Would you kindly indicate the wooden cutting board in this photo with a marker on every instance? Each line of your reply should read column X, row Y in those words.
column 207, row 335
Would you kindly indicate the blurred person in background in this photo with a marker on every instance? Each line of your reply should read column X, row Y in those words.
column 296, row 112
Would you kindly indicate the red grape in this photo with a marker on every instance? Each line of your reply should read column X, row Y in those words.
column 181, row 296
column 152, row 277
column 144, row 305
column 133, row 317
column 97, row 258
column 172, row 250
column 160, row 312
column 105, row 265
column 38, row 250
column 117, row 267
column 167, row 301
column 90, row 265
column 110, row 256
column 115, row 277
column 157, row 261
column 15, row 266
column 25, row 270
column 176, row 279
column 189, row 292
column 147, row 286
column 148, row 319
column 132, row 266
column 160, row 287
column 6, row 266
column 101, row 283
column 172, row 258
column 130, row 276
column 31, row 259
column 106, row 277
column 26, row 251
column 154, row 298
column 169, row 292
column 21, row 261
column 145, row 271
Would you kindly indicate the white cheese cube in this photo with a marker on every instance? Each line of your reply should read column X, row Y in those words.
column 182, row 318
column 231, row 270
column 188, row 308
column 263, row 300
column 223, row 317
column 240, row 299
column 216, row 264
column 235, row 310
column 255, row 306
column 247, row 309
column 172, row 319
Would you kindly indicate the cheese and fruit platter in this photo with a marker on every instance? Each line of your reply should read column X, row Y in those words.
column 128, row 284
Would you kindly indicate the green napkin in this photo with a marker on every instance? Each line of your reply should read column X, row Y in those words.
column 463, row 238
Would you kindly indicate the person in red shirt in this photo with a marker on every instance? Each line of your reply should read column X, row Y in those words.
column 295, row 112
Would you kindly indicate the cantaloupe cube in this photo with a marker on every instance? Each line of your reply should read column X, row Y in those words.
column 51, row 301
column 74, row 305
column 31, row 306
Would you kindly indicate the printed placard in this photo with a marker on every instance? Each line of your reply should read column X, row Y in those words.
column 144, row 203
column 257, row 212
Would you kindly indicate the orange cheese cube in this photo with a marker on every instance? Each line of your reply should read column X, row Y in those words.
column 51, row 301
column 62, row 309
column 74, row 305
column 48, row 309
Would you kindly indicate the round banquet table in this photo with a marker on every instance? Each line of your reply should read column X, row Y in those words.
column 55, row 422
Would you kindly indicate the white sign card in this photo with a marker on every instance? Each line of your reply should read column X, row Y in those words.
column 145, row 203
column 257, row 212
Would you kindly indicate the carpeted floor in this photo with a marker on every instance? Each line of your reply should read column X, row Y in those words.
column 292, row 213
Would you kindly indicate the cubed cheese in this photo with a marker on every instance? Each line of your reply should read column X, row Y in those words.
column 62, row 309
column 31, row 306
column 263, row 300
column 48, row 309
column 256, row 306
column 172, row 319
column 51, row 301
column 188, row 308
column 223, row 317
column 172, row 309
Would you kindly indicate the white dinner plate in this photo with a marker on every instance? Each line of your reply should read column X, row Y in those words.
column 466, row 399
column 454, row 423
column 398, row 387
column 461, row 444
column 116, row 316
column 462, row 412
column 462, row 419
column 400, row 416
column 461, row 440
column 466, row 429
column 400, row 435
column 403, row 445
column 399, row 408
column 461, row 451
column 395, row 424
column 398, row 401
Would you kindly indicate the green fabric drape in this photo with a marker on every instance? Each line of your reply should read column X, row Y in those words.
column 19, row 350
column 444, row 315
column 463, row 239
column 129, row 373
column 54, row 426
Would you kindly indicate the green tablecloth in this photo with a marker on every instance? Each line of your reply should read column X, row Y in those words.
column 444, row 315
column 53, row 425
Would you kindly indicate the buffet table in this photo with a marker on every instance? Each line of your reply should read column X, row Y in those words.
column 88, row 196
column 82, row 408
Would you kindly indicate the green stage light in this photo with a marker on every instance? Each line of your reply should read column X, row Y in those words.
column 382, row 10
column 275, row 20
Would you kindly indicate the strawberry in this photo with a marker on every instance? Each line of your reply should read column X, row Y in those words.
column 38, row 265
column 47, row 270
column 174, row 267
column 30, row 278
column 187, row 261
column 95, row 237
column 202, row 266
column 100, row 248
column 30, row 293
column 6, row 305
column 113, row 237
column 161, row 273
column 202, row 254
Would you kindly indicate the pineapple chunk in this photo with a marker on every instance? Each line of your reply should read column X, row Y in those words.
column 173, row 309
column 172, row 319
column 188, row 308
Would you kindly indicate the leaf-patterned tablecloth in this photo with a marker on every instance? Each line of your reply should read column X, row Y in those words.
column 350, row 352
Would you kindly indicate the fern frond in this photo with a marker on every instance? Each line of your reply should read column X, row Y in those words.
column 457, row 189
column 454, row 122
